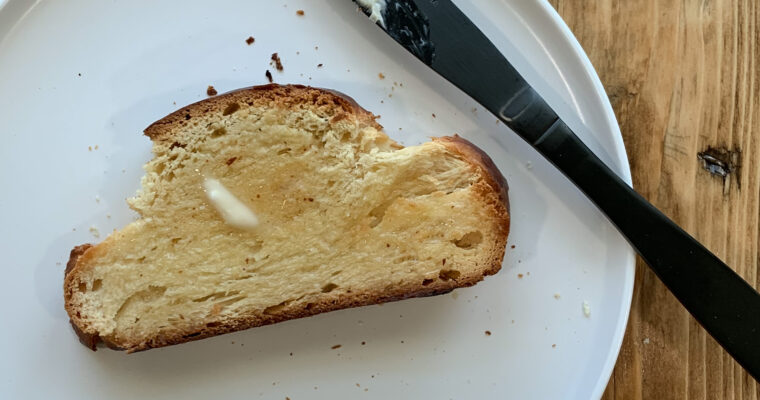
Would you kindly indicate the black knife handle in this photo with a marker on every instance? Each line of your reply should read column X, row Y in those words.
column 719, row 299
column 441, row 36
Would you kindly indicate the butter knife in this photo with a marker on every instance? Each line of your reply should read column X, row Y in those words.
column 441, row 36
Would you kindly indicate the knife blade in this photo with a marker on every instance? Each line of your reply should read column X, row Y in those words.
column 441, row 36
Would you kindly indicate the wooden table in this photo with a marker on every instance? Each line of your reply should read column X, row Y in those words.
column 684, row 79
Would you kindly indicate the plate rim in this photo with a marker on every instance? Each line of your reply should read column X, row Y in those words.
column 624, row 171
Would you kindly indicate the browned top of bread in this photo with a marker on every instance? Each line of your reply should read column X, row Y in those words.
column 479, row 158
column 330, row 102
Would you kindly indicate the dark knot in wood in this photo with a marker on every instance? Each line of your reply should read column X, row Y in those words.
column 722, row 163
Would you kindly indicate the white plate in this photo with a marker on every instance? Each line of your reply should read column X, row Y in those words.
column 84, row 73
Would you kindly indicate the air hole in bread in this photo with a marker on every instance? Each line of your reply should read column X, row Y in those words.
column 469, row 240
column 284, row 151
column 212, row 324
column 336, row 272
column 378, row 213
column 159, row 169
column 219, row 132
column 275, row 309
column 204, row 298
column 231, row 108
column 449, row 274
column 228, row 302
column 217, row 295
column 176, row 240
column 177, row 144
column 255, row 248
column 329, row 287
column 403, row 258
column 426, row 282
column 138, row 301
column 345, row 137
column 97, row 284
column 310, row 268
column 82, row 287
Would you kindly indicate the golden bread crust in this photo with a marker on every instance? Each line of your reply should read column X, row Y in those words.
column 334, row 103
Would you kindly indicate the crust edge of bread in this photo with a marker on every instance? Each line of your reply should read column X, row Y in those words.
column 493, row 189
column 295, row 311
column 279, row 95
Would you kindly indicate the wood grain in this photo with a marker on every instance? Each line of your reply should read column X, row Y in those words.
column 683, row 77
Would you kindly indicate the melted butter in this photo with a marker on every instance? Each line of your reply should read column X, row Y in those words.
column 233, row 210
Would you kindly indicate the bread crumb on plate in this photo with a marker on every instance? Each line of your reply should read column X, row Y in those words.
column 276, row 61
column 586, row 309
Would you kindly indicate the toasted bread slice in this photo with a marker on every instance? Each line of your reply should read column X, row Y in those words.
column 346, row 217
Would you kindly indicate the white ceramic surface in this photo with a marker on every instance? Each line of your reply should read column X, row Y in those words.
column 83, row 73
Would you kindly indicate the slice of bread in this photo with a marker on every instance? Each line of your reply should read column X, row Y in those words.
column 346, row 217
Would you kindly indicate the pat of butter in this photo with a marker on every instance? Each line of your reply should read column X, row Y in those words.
column 376, row 8
column 231, row 209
